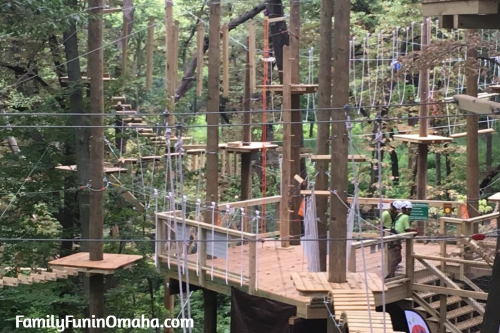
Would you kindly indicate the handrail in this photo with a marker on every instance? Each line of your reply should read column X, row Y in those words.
column 207, row 226
column 471, row 220
column 385, row 239
column 452, row 260
column 251, row 202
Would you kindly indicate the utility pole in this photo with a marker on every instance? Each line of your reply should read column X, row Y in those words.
column 423, row 148
column 210, row 297
column 95, row 71
column 339, row 140
column 296, row 125
column 472, row 138
column 323, row 115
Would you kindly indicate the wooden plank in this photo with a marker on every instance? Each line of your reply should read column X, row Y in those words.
column 251, row 202
column 200, row 40
column 225, row 60
column 478, row 105
column 450, row 291
column 328, row 158
column 459, row 7
column 464, row 134
column 415, row 138
column 11, row 282
column 149, row 53
column 478, row 219
column 453, row 260
column 251, row 54
column 111, row 261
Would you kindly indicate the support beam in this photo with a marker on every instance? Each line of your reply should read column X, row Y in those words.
column 246, row 158
column 210, row 310
column 296, row 126
column 169, row 304
column 323, row 115
column 125, row 33
column 339, row 141
column 212, row 185
column 170, row 88
column 287, row 148
column 251, row 52
column 200, row 39
column 472, row 143
column 225, row 60
column 95, row 66
column 423, row 149
column 149, row 53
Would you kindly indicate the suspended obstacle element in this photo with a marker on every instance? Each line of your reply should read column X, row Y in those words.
column 106, row 169
column 478, row 105
column 328, row 158
column 428, row 140
column 464, row 134
column 296, row 89
column 106, row 78
column 37, row 277
column 80, row 262
column 238, row 147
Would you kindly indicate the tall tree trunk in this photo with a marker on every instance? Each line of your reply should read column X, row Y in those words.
column 394, row 166
column 489, row 157
column 278, row 33
column 82, row 134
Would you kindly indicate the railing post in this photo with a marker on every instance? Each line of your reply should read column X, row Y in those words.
column 252, row 264
column 352, row 259
column 410, row 263
column 202, row 248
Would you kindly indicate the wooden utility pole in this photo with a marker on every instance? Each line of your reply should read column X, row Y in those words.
column 95, row 71
column 210, row 297
column 296, row 126
column 287, row 148
column 323, row 115
column 149, row 53
column 246, row 160
column 423, row 149
column 340, row 92
column 472, row 137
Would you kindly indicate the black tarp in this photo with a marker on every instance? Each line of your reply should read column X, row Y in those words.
column 253, row 314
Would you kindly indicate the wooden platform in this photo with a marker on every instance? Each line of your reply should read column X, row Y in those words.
column 252, row 147
column 428, row 140
column 328, row 158
column 307, row 283
column 357, row 310
column 108, row 265
column 106, row 169
column 297, row 89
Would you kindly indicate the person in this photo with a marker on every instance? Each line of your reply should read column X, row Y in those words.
column 389, row 215
column 400, row 226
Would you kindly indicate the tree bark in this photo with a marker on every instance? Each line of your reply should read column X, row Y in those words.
column 82, row 134
column 189, row 77
column 278, row 32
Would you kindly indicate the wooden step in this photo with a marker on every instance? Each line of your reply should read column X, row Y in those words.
column 137, row 124
column 121, row 99
column 133, row 120
column 148, row 135
column 469, row 323
column 459, row 312
column 146, row 130
column 122, row 106
column 436, row 304
column 125, row 112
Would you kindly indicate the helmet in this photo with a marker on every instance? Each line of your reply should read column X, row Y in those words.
column 397, row 204
column 407, row 205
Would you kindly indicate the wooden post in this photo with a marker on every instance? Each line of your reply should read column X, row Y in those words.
column 251, row 54
column 223, row 163
column 287, row 147
column 124, row 45
column 213, row 109
column 410, row 263
column 225, row 60
column 339, row 141
column 296, row 126
column 169, row 303
column 210, row 305
column 423, row 149
column 200, row 39
column 229, row 163
column 149, row 53
column 236, row 158
column 472, row 140
column 175, row 60
column 95, row 70
column 246, row 158
column 169, row 23
column 323, row 115
column 252, row 265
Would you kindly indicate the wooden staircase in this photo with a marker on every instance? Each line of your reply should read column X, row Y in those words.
column 40, row 276
column 461, row 317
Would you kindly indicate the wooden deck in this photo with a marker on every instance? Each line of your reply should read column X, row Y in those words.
column 275, row 267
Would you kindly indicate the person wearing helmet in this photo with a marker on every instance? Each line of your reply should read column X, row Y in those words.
column 400, row 226
column 389, row 216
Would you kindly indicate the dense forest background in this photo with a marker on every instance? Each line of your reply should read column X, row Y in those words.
column 39, row 42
